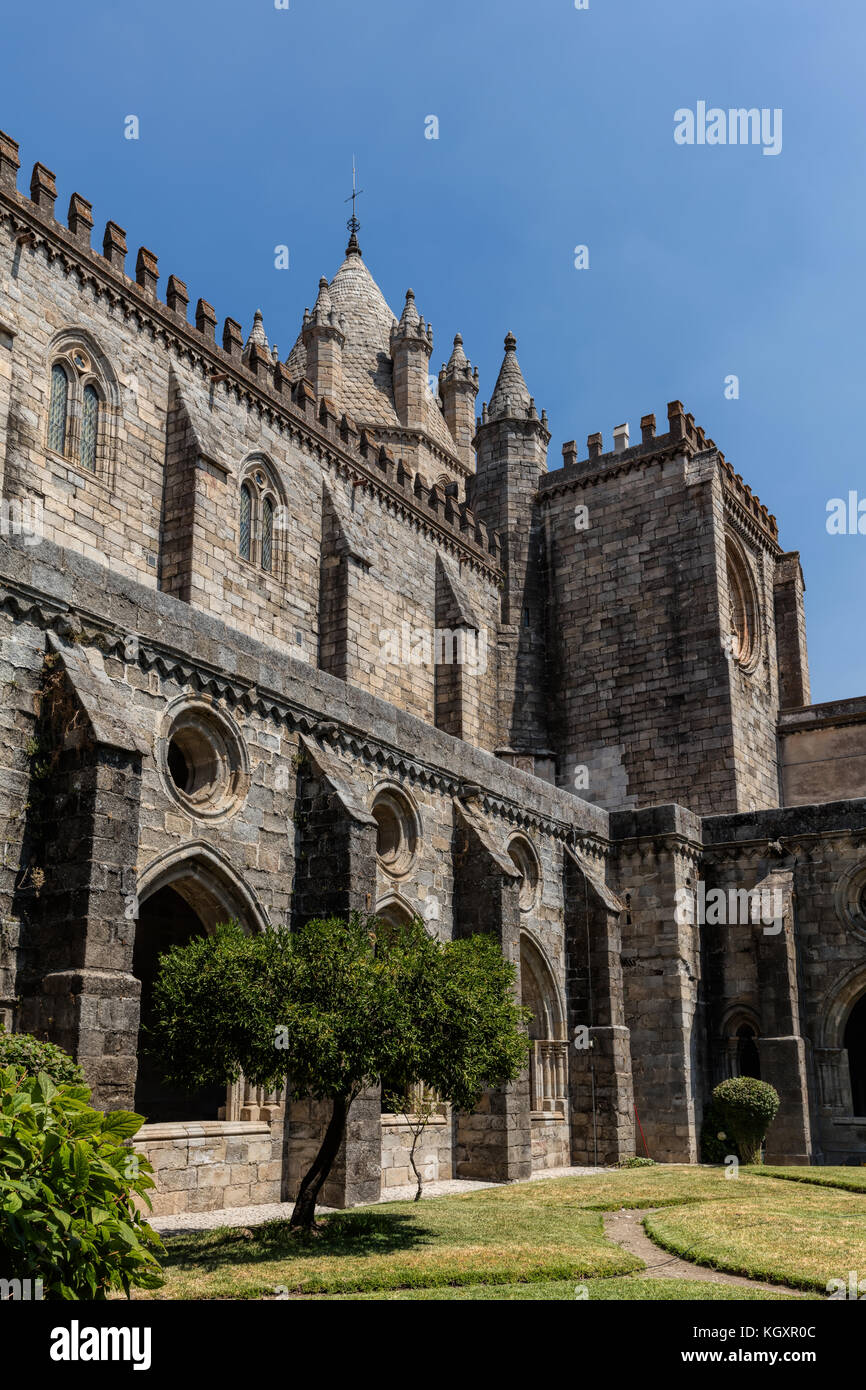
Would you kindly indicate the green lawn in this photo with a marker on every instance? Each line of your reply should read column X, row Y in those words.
column 632, row 1289
column 851, row 1179
column 540, row 1240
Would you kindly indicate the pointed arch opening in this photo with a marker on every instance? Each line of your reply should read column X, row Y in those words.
column 84, row 403
column 854, row 1043
column 262, row 511
column 182, row 895
column 548, row 1067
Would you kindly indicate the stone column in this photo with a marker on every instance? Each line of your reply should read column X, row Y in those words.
column 658, row 855
column 781, row 1047
column 493, row 1142
column 81, row 992
column 600, row 1083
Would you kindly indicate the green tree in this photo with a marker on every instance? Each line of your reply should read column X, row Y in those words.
column 747, row 1107
column 335, row 1007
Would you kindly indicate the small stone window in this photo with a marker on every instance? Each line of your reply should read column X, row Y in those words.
column 204, row 760
column 396, row 831
column 524, row 859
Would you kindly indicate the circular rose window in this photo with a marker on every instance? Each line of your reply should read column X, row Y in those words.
column 396, row 831
column 522, row 856
column 204, row 760
column 850, row 899
column 742, row 617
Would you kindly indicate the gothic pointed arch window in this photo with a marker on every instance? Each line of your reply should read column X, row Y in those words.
column 89, row 427
column 83, row 403
column 246, row 522
column 267, row 556
column 261, row 506
column 58, row 408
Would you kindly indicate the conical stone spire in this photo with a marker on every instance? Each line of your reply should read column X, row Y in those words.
column 458, row 360
column 323, row 308
column 257, row 335
column 510, row 395
column 410, row 318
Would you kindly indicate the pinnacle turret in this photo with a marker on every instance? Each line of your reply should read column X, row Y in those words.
column 511, row 396
column 458, row 387
column 257, row 335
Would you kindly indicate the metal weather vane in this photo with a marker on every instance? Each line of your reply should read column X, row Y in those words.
column 353, row 224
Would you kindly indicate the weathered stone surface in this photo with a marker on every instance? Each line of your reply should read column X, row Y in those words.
column 643, row 644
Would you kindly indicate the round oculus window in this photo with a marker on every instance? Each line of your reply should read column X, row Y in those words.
column 205, row 762
column 396, row 831
column 522, row 856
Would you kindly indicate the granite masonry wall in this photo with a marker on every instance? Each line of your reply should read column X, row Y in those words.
column 198, row 717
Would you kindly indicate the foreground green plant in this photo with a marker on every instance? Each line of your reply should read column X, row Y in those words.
column 33, row 1056
column 67, row 1185
column 747, row 1108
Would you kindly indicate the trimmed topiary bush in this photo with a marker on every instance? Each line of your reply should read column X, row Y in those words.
column 24, row 1051
column 717, row 1143
column 637, row 1162
column 747, row 1108
column 67, row 1184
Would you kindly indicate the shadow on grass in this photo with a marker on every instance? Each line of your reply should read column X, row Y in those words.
column 341, row 1234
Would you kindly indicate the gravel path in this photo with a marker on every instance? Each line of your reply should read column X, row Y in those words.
column 625, row 1228
column 281, row 1211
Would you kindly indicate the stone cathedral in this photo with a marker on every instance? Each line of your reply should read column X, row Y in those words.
column 290, row 636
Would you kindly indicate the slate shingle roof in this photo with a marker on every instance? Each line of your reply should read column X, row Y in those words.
column 366, row 321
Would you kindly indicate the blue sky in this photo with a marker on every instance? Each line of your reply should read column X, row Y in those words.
column 555, row 129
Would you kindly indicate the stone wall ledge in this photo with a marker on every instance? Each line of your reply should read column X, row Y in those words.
column 832, row 714
column 201, row 1129
column 401, row 1122
column 55, row 587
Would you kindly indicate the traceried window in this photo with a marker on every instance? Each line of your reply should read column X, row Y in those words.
column 58, row 408
column 246, row 522
column 89, row 427
column 267, row 533
column 259, row 509
column 78, row 417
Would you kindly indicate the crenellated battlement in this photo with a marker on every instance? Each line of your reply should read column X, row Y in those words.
column 253, row 373
column 682, row 436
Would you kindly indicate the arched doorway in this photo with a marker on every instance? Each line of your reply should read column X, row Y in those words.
column 183, row 894
column 748, row 1061
column 854, row 1042
column 549, row 1056
column 165, row 920
column 393, row 1099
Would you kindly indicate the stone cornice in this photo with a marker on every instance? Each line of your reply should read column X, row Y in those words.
column 87, row 627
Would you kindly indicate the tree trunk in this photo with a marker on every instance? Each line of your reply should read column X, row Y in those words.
column 416, row 1135
column 304, row 1213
